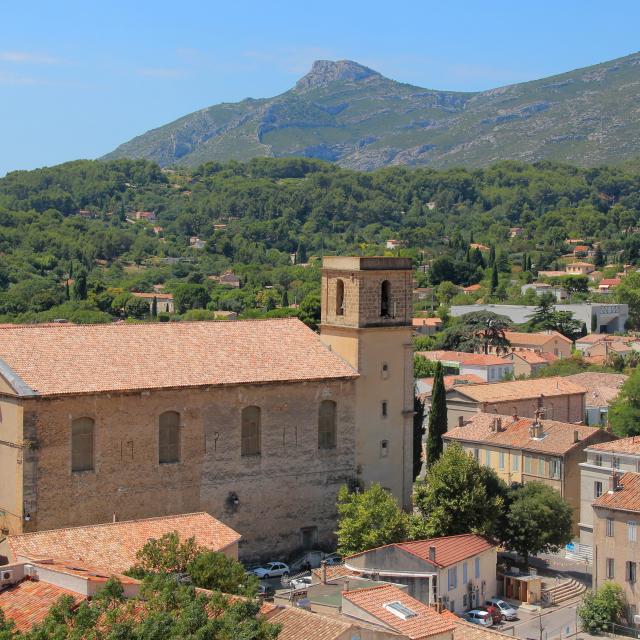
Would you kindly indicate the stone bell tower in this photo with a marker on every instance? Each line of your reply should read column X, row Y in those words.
column 366, row 319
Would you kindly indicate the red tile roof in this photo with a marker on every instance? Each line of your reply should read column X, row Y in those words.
column 624, row 445
column 75, row 359
column 531, row 357
column 114, row 545
column 450, row 549
column 298, row 624
column 627, row 498
column 426, row 322
column 28, row 602
column 424, row 624
column 455, row 380
column 534, row 339
column 151, row 296
column 558, row 437
column 520, row 389
column 472, row 288
column 609, row 282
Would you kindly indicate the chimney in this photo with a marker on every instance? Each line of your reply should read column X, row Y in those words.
column 346, row 586
column 576, row 435
column 498, row 424
column 432, row 553
column 614, row 484
column 460, row 421
column 323, row 570
column 494, row 425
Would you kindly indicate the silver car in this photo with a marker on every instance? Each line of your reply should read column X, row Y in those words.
column 508, row 612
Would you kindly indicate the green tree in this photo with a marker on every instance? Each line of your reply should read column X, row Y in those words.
column 437, row 416
column 136, row 308
column 310, row 310
column 154, row 307
column 165, row 555
column 368, row 519
column 284, row 302
column 598, row 257
column 628, row 292
column 218, row 572
column 542, row 317
column 476, row 332
column 538, row 520
column 423, row 368
column 80, row 287
column 624, row 412
column 418, row 433
column 494, row 279
column 189, row 296
column 599, row 609
column 459, row 495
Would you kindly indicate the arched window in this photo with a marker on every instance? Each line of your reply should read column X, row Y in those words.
column 327, row 425
column 250, row 444
column 385, row 299
column 82, row 444
column 169, row 437
column 339, row 297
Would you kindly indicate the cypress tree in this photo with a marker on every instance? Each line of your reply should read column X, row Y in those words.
column 494, row 279
column 66, row 290
column 492, row 256
column 437, row 417
column 154, row 307
column 285, row 298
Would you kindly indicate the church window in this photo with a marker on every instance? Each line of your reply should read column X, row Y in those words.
column 385, row 299
column 339, row 297
column 327, row 425
column 169, row 437
column 250, row 445
column 82, row 444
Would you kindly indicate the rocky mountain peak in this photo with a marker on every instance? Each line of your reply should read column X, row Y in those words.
column 324, row 72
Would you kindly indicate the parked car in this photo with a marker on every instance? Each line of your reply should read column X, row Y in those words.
column 333, row 560
column 477, row 616
column 508, row 612
column 301, row 582
column 264, row 591
column 271, row 570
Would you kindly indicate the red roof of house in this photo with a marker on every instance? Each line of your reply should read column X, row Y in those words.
column 28, row 602
column 624, row 445
column 151, row 296
column 449, row 549
column 425, row 623
column 627, row 498
column 114, row 545
column 610, row 282
column 426, row 322
column 478, row 359
column 472, row 287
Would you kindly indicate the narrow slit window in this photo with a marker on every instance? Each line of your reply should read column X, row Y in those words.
column 82, row 444
column 169, row 437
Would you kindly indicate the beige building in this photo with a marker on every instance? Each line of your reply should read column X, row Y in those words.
column 366, row 320
column 458, row 572
column 540, row 342
column 602, row 389
column 164, row 301
column 529, row 363
column 562, row 400
column 615, row 538
column 131, row 421
column 580, row 268
column 523, row 450
column 595, row 472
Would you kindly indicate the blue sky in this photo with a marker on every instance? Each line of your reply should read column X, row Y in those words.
column 77, row 78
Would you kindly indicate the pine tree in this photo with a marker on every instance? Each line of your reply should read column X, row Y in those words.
column 494, row 279
column 66, row 290
column 285, row 298
column 80, row 287
column 437, row 417
column 524, row 262
column 492, row 256
column 154, row 307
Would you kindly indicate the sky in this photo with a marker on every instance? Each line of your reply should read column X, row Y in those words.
column 78, row 78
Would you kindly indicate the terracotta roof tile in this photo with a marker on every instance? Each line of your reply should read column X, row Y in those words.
column 456, row 380
column 467, row 631
column 534, row 339
column 627, row 498
column 114, row 545
column 558, row 436
column 298, row 624
column 70, row 359
column 520, row 389
column 449, row 549
column 530, row 357
column 426, row 322
column 151, row 296
column 602, row 388
column 334, row 572
column 28, row 602
column 424, row 624
column 624, row 445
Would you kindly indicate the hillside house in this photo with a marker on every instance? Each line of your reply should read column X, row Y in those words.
column 164, row 301
column 490, row 368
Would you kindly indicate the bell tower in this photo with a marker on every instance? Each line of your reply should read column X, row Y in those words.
column 366, row 319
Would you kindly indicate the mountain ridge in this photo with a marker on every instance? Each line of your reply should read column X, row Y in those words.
column 345, row 112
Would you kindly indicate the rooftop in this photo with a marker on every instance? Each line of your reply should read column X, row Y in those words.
column 557, row 438
column 602, row 388
column 28, row 602
column 114, row 545
column 520, row 389
column 532, row 357
column 298, row 624
column 366, row 263
column 454, row 381
column 626, row 498
column 449, row 549
column 426, row 322
column 77, row 359
column 534, row 339
column 151, row 296
column 422, row 620
column 624, row 445
column 478, row 359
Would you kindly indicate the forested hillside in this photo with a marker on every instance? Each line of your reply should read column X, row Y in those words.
column 72, row 247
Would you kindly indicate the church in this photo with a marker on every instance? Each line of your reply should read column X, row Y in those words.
column 258, row 422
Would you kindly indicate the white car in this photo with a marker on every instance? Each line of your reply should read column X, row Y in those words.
column 507, row 611
column 476, row 616
column 333, row 560
column 303, row 582
column 271, row 570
